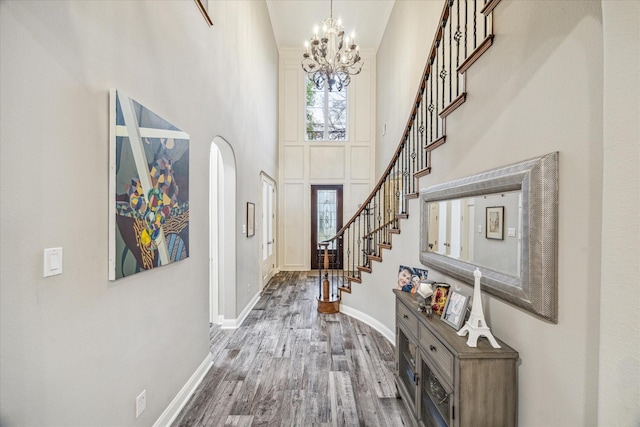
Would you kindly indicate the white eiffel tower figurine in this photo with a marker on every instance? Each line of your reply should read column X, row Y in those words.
column 476, row 325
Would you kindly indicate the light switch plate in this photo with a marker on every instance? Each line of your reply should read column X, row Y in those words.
column 52, row 261
column 511, row 232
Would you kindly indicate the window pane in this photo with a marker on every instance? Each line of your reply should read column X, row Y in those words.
column 326, row 114
column 327, row 214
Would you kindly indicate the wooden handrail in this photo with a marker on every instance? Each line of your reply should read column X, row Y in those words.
column 382, row 227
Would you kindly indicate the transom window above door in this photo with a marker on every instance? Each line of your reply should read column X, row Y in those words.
column 325, row 113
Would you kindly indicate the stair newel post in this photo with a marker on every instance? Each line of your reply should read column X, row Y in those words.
column 328, row 303
column 319, row 270
column 325, row 264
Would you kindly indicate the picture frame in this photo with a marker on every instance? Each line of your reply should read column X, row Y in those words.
column 251, row 219
column 203, row 5
column 495, row 223
column 409, row 278
column 455, row 309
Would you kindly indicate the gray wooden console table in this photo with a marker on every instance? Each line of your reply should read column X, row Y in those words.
column 444, row 382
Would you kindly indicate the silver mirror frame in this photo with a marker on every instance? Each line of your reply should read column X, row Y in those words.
column 536, row 289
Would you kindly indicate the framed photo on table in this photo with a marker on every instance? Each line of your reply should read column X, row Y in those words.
column 495, row 223
column 455, row 309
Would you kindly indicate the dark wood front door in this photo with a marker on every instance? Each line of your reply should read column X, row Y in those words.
column 326, row 221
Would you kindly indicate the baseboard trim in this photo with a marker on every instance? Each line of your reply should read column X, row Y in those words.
column 374, row 323
column 236, row 323
column 173, row 410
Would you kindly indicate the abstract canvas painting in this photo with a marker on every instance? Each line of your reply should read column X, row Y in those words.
column 149, row 189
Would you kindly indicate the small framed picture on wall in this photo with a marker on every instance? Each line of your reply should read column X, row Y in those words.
column 251, row 219
column 495, row 223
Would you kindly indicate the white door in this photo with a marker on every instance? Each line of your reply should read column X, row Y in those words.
column 268, row 218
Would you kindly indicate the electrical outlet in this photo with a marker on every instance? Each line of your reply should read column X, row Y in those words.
column 141, row 403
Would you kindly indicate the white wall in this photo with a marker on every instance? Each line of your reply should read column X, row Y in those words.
column 540, row 89
column 77, row 349
column 404, row 49
column 619, row 387
column 349, row 163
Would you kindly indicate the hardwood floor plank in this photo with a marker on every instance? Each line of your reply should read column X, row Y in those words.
column 334, row 333
column 287, row 365
column 293, row 408
column 343, row 404
column 394, row 412
column 239, row 421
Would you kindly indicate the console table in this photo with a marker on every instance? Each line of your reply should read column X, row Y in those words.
column 445, row 383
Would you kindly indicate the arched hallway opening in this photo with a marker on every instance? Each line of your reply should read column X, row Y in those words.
column 222, row 239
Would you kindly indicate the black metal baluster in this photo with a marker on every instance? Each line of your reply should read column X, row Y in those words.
column 370, row 223
column 443, row 72
column 403, row 186
column 450, row 71
column 475, row 23
column 466, row 32
column 350, row 249
column 396, row 191
column 421, row 127
column 423, row 102
column 379, row 227
column 457, row 38
column 431, row 104
column 414, row 168
column 405, row 174
column 319, row 275
column 359, row 242
column 388, row 207
column 437, row 65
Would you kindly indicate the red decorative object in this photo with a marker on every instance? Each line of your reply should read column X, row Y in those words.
column 439, row 300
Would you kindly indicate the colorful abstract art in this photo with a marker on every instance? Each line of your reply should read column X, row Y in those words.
column 149, row 189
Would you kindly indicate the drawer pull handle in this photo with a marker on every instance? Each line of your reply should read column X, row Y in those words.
column 405, row 316
column 432, row 348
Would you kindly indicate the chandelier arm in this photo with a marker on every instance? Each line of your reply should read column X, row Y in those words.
column 330, row 60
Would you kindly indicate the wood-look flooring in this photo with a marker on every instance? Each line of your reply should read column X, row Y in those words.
column 287, row 365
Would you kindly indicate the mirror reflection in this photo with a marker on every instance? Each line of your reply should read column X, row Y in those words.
column 483, row 230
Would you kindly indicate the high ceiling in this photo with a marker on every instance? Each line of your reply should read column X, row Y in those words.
column 293, row 20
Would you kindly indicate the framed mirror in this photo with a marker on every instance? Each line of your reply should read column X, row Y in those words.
column 503, row 221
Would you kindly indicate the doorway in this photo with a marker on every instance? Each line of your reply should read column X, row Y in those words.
column 326, row 221
column 222, row 238
column 267, row 230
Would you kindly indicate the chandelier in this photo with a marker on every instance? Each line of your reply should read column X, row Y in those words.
column 333, row 58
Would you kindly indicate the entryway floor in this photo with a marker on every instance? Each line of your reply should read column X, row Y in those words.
column 287, row 365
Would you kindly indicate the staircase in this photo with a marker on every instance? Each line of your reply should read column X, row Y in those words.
column 464, row 34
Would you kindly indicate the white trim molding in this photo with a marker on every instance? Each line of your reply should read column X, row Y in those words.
column 236, row 323
column 171, row 412
column 374, row 323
